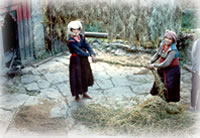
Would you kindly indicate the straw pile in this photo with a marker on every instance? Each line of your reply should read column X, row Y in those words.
column 153, row 115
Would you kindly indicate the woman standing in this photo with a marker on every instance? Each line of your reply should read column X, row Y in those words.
column 80, row 71
column 168, row 67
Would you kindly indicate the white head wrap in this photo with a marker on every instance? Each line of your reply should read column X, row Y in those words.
column 73, row 25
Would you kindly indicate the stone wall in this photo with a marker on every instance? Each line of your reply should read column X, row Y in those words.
column 25, row 40
column 37, row 29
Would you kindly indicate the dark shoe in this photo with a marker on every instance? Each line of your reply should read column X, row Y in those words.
column 77, row 98
column 85, row 95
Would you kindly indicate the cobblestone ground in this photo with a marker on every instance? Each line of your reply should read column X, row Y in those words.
column 44, row 91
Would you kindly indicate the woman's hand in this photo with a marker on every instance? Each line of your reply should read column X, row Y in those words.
column 150, row 66
column 93, row 59
column 149, row 62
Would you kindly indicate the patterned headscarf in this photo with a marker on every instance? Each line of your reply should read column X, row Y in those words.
column 171, row 34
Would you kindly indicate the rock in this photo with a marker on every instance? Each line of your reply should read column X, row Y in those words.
column 52, row 66
column 143, row 79
column 119, row 41
column 20, row 89
column 64, row 88
column 133, row 48
column 96, row 45
column 120, row 52
column 59, row 110
column 94, row 87
column 32, row 87
column 108, row 49
column 62, row 60
column 5, row 119
column 106, row 45
column 95, row 94
column 186, row 78
column 2, row 80
column 104, row 84
column 113, row 50
column 35, row 72
column 57, row 77
column 101, row 75
column 11, row 101
column 120, row 81
column 141, row 48
column 96, row 41
column 26, row 79
column 32, row 100
column 119, row 93
column 27, row 70
column 51, row 94
column 43, row 84
column 142, row 89
column 2, row 90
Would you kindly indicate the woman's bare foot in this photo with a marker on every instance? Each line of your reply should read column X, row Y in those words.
column 85, row 95
column 77, row 98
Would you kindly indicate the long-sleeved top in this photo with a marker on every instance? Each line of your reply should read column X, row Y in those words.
column 168, row 55
column 196, row 56
column 80, row 47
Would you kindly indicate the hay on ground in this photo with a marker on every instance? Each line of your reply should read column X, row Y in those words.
column 153, row 115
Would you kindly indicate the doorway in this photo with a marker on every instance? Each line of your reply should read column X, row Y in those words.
column 10, row 40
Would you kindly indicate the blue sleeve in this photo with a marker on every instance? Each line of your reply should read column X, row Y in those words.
column 77, row 50
column 87, row 46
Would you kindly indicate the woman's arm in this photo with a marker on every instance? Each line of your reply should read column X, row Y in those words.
column 167, row 61
column 154, row 58
column 77, row 50
column 87, row 46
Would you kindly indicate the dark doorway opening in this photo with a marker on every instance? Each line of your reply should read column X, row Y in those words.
column 11, row 44
column 10, row 40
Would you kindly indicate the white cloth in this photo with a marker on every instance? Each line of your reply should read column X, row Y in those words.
column 196, row 56
column 73, row 25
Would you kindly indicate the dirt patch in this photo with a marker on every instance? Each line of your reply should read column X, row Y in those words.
column 36, row 118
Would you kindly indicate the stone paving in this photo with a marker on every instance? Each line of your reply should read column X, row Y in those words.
column 50, row 81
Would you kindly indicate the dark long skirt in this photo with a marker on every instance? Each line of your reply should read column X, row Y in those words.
column 170, row 76
column 80, row 75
